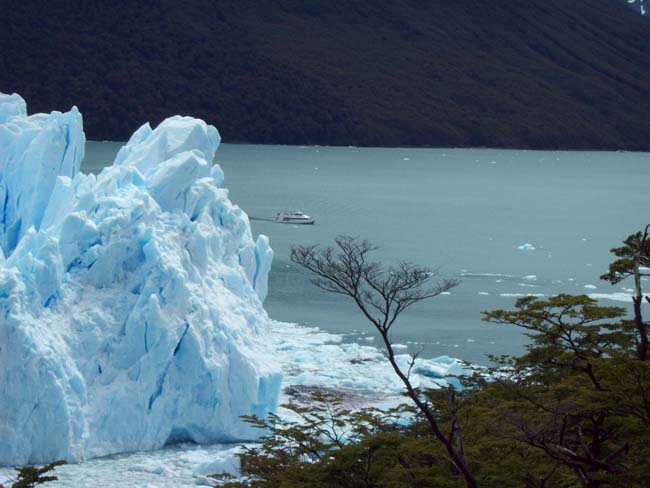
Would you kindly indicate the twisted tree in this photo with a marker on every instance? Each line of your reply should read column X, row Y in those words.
column 382, row 294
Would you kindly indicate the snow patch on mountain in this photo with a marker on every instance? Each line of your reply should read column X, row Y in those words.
column 639, row 5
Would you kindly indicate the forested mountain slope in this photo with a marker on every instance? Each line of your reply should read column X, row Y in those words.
column 537, row 74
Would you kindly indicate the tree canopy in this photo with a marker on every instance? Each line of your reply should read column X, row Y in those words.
column 572, row 411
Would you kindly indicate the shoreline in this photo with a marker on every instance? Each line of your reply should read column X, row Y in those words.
column 447, row 148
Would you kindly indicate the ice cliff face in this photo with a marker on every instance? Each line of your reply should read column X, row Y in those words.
column 33, row 152
column 130, row 302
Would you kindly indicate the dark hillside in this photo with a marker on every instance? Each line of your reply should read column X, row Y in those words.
column 541, row 73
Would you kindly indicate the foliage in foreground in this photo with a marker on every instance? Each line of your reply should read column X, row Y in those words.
column 330, row 445
column 31, row 476
column 573, row 411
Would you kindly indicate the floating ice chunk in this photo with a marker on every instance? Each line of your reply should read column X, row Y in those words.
column 181, row 466
column 321, row 360
column 207, row 463
column 526, row 247
column 486, row 275
column 617, row 297
column 444, row 367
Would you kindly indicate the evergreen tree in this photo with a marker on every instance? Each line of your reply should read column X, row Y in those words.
column 634, row 261
column 30, row 476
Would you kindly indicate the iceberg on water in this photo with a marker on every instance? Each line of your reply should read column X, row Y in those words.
column 130, row 302
column 526, row 247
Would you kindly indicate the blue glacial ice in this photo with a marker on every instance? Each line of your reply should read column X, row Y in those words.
column 130, row 302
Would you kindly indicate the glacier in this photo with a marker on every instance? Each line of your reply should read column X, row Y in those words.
column 311, row 360
column 130, row 302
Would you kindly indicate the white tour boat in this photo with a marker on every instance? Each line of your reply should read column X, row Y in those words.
column 293, row 218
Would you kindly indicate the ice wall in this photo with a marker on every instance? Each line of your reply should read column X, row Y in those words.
column 130, row 302
column 33, row 151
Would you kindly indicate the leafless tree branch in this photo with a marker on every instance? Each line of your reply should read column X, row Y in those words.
column 382, row 294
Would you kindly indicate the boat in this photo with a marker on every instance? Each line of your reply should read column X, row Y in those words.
column 293, row 218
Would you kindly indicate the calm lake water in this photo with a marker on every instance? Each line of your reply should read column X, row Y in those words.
column 468, row 212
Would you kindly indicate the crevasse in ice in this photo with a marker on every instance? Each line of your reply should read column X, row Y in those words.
column 131, row 302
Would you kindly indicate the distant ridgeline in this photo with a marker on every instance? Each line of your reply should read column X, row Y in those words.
column 536, row 74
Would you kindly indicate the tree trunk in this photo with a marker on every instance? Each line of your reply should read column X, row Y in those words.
column 457, row 458
column 638, row 300
column 642, row 348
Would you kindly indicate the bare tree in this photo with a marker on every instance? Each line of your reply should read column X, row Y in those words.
column 382, row 294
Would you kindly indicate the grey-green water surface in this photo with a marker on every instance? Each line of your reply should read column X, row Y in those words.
column 467, row 211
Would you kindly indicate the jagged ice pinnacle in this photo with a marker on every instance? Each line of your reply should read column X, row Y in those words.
column 131, row 302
